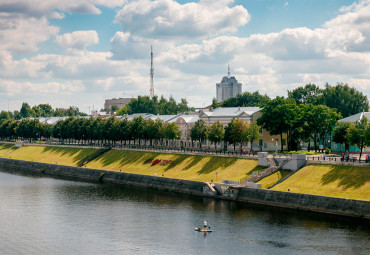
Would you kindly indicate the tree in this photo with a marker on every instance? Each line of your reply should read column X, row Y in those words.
column 198, row 132
column 318, row 121
column 171, row 131
column 4, row 115
column 358, row 134
column 309, row 94
column 216, row 132
column 348, row 101
column 252, row 133
column 340, row 134
column 235, row 132
column 122, row 111
column 26, row 111
column 278, row 117
column 246, row 99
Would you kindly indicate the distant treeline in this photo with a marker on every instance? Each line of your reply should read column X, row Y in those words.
column 346, row 100
column 145, row 104
column 41, row 110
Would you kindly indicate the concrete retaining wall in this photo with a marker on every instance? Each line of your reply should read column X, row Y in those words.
column 95, row 175
column 331, row 205
column 338, row 206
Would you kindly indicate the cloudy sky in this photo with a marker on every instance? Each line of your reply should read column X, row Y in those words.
column 80, row 52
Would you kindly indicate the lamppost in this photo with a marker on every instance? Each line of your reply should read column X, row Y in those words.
column 276, row 145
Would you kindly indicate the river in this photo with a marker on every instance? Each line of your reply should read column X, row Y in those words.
column 50, row 216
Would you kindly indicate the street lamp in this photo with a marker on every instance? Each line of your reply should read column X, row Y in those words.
column 276, row 145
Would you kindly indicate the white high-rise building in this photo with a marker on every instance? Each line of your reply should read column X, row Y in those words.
column 228, row 87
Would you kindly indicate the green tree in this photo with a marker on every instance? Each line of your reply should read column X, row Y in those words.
column 247, row 99
column 171, row 131
column 26, row 111
column 236, row 132
column 252, row 133
column 309, row 94
column 318, row 121
column 278, row 117
column 358, row 134
column 348, row 101
column 340, row 134
column 122, row 111
column 216, row 132
column 4, row 115
column 198, row 132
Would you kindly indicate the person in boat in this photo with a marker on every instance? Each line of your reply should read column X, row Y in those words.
column 205, row 225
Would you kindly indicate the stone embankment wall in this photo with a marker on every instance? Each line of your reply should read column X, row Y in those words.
column 331, row 205
column 95, row 175
column 338, row 206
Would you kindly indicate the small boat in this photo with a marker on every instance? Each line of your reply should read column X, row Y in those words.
column 202, row 230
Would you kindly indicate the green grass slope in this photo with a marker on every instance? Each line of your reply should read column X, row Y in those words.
column 6, row 149
column 270, row 180
column 54, row 155
column 330, row 180
column 188, row 167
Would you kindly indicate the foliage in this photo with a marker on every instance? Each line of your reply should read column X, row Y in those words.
column 216, row 132
column 145, row 104
column 358, row 134
column 340, row 134
column 198, row 132
column 235, row 132
column 309, row 94
column 278, row 116
column 246, row 99
column 346, row 100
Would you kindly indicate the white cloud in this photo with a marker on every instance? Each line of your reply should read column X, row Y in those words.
column 78, row 39
column 49, row 8
column 171, row 20
column 19, row 35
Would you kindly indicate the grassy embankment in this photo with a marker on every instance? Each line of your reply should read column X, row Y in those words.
column 189, row 167
column 325, row 180
column 268, row 181
column 329, row 180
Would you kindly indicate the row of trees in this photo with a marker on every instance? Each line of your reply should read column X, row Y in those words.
column 41, row 110
column 111, row 130
column 236, row 132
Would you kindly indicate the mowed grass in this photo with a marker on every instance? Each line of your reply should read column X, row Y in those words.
column 54, row 155
column 188, row 167
column 329, row 180
column 270, row 180
column 6, row 149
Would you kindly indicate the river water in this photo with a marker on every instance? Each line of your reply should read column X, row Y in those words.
column 49, row 216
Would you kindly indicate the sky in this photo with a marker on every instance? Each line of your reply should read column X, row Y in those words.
column 81, row 52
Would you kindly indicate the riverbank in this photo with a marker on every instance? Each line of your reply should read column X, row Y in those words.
column 329, row 205
column 179, row 166
column 325, row 180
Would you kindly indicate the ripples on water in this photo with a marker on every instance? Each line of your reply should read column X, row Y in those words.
column 49, row 216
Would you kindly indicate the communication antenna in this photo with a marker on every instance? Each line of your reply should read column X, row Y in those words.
column 151, row 91
column 228, row 70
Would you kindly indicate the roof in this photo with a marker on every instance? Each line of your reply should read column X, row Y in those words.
column 187, row 118
column 356, row 117
column 232, row 111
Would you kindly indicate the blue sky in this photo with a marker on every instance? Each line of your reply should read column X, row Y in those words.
column 80, row 52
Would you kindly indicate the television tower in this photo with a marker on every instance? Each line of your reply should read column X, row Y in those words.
column 151, row 90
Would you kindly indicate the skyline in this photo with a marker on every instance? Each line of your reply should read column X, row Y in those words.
column 79, row 53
